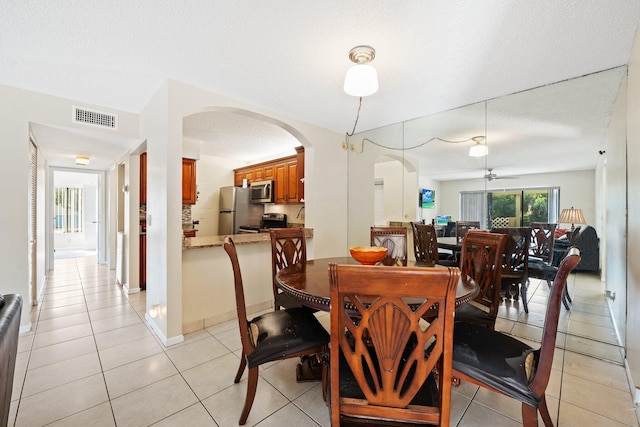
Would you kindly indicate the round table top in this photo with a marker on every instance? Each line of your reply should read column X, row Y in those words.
column 309, row 283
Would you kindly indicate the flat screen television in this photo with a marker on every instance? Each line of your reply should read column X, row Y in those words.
column 443, row 219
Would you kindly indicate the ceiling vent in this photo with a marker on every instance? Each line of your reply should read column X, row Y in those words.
column 95, row 118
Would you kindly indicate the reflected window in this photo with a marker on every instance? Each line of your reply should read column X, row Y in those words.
column 68, row 210
column 510, row 208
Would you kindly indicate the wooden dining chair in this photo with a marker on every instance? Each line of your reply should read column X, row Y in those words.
column 541, row 256
column 382, row 362
column 501, row 363
column 425, row 246
column 276, row 335
column 462, row 227
column 395, row 240
column 288, row 247
column 515, row 263
column 543, row 236
column 481, row 260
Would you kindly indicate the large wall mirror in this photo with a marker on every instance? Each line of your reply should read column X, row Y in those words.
column 533, row 137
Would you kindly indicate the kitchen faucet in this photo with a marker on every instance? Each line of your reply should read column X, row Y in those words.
column 299, row 210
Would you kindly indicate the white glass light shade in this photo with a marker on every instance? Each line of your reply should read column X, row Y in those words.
column 361, row 80
column 478, row 150
column 82, row 160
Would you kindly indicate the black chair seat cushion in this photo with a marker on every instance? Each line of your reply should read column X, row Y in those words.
column 542, row 270
column 495, row 359
column 283, row 332
column 427, row 395
column 10, row 309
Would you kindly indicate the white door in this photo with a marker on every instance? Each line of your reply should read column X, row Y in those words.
column 90, row 226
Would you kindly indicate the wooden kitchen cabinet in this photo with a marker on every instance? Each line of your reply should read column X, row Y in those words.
column 143, row 178
column 287, row 173
column 300, row 178
column 240, row 174
column 286, row 181
column 189, row 192
column 143, row 261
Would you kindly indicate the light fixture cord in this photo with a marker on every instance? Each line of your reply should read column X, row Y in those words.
column 435, row 138
column 353, row 131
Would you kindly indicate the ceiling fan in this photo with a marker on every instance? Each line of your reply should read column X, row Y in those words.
column 490, row 176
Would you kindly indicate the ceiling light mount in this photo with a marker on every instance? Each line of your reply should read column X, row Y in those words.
column 362, row 54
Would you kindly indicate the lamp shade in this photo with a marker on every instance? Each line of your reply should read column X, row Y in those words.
column 478, row 150
column 571, row 216
column 361, row 80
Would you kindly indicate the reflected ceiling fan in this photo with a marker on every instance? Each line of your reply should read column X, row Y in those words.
column 490, row 176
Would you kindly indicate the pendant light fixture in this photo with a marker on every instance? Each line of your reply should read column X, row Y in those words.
column 361, row 79
column 479, row 149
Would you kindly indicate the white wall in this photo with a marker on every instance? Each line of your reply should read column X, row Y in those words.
column 431, row 213
column 161, row 126
column 613, row 211
column 633, row 245
column 400, row 190
column 18, row 109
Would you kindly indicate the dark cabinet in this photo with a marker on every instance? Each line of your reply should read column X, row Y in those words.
column 189, row 192
column 143, row 178
column 143, row 261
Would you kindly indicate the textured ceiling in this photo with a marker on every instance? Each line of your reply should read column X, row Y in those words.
column 290, row 56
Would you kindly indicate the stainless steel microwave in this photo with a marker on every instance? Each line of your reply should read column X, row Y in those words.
column 261, row 192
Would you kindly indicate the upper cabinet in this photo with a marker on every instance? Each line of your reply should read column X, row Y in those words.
column 189, row 192
column 143, row 178
column 286, row 181
column 287, row 174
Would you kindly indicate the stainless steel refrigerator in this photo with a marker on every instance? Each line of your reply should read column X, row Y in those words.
column 236, row 210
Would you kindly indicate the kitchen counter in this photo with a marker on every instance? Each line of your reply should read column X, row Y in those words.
column 208, row 295
column 238, row 239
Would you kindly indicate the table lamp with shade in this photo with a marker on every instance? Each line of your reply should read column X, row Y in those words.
column 571, row 216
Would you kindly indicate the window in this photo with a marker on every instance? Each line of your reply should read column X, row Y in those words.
column 68, row 210
column 516, row 208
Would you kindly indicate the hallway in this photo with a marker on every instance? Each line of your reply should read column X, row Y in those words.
column 92, row 360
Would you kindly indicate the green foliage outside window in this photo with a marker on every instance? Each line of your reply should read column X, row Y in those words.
column 536, row 208
column 503, row 205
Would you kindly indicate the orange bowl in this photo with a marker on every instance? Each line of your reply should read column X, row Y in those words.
column 368, row 255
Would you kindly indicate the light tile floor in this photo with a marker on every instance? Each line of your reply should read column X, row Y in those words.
column 92, row 360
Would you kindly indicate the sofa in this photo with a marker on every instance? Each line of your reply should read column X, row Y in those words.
column 589, row 244
column 10, row 310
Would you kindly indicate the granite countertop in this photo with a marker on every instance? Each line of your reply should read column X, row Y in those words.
column 238, row 239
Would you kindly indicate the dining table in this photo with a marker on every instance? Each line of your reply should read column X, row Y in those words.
column 450, row 243
column 309, row 284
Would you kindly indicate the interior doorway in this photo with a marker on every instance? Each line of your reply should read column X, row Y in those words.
column 76, row 214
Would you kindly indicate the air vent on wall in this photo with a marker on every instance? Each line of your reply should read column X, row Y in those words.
column 94, row 118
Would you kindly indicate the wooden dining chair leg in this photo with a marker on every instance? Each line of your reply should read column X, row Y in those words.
column 566, row 295
column 529, row 416
column 544, row 412
column 252, row 385
column 523, row 295
column 243, row 364
column 566, row 299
